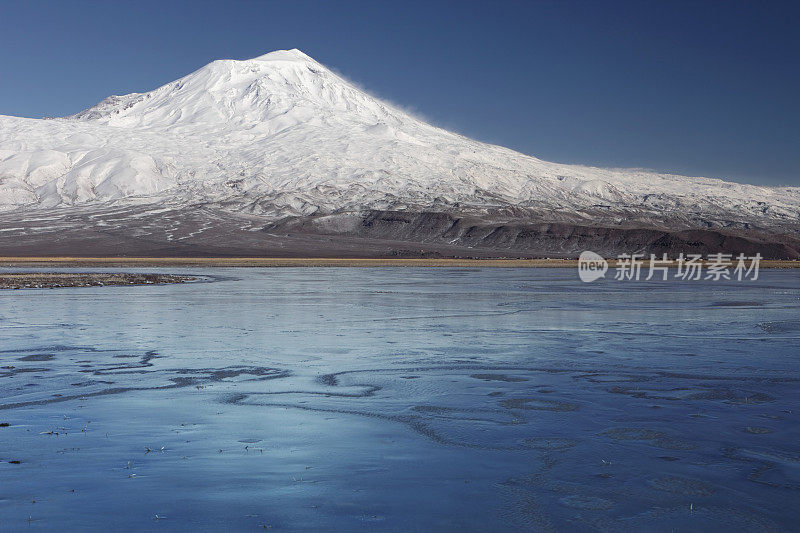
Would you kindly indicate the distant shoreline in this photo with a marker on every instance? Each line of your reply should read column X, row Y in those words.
column 262, row 262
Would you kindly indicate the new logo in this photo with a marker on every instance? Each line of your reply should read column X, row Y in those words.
column 591, row 266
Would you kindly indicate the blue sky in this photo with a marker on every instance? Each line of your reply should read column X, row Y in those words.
column 699, row 88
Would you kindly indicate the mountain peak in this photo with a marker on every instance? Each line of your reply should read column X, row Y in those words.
column 284, row 55
column 274, row 90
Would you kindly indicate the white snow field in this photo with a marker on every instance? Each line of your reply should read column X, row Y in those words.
column 282, row 135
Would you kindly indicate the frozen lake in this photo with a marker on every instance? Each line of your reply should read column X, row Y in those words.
column 402, row 399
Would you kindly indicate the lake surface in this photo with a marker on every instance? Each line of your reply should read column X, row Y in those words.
column 402, row 399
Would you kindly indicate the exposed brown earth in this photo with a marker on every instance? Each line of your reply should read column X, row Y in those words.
column 267, row 262
column 54, row 280
column 204, row 231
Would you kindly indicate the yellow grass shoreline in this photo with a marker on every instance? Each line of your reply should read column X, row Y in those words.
column 276, row 262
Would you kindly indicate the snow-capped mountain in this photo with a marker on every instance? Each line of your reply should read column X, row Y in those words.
column 281, row 136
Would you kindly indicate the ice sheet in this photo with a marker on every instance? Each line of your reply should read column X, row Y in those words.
column 401, row 399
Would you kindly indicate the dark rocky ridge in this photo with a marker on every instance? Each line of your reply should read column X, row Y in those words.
column 555, row 239
column 204, row 231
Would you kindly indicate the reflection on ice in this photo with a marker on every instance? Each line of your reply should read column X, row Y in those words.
column 343, row 398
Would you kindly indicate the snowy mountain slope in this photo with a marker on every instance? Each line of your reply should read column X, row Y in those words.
column 281, row 135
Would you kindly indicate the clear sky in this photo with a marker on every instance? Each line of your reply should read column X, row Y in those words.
column 699, row 88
